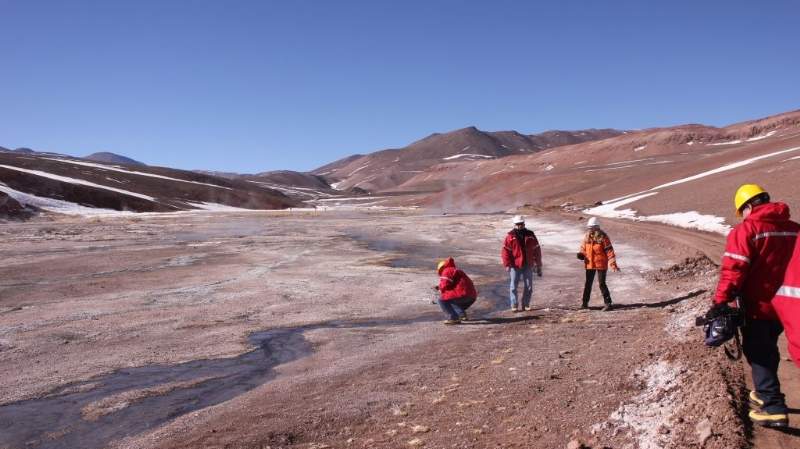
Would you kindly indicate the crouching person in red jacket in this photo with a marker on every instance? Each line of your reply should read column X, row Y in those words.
column 787, row 304
column 756, row 256
column 457, row 291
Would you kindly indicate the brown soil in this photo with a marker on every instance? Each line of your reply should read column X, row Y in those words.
column 362, row 360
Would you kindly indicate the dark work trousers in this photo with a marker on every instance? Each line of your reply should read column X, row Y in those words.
column 456, row 307
column 760, row 345
column 601, row 279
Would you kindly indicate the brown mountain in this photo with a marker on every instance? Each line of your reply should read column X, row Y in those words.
column 680, row 169
column 47, row 180
column 388, row 169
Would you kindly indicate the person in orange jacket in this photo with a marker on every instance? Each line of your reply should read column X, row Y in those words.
column 753, row 266
column 787, row 304
column 598, row 256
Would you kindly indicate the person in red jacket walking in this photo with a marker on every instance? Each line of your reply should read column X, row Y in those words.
column 787, row 304
column 457, row 291
column 521, row 256
column 756, row 255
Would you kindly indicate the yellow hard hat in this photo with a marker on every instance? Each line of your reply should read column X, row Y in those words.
column 440, row 265
column 744, row 194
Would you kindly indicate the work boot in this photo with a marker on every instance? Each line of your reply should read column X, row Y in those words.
column 528, row 309
column 514, row 309
column 767, row 419
column 755, row 401
column 584, row 305
column 463, row 317
column 449, row 322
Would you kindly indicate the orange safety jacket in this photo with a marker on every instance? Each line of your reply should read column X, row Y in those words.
column 598, row 253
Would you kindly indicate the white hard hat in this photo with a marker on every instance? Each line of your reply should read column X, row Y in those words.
column 518, row 219
column 592, row 222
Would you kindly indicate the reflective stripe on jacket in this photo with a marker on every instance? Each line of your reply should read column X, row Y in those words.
column 511, row 254
column 598, row 253
column 787, row 304
column 454, row 283
column 755, row 259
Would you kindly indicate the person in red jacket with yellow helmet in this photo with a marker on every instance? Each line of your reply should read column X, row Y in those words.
column 787, row 304
column 756, row 255
column 457, row 291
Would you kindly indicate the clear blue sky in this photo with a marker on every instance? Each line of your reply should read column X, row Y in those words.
column 250, row 86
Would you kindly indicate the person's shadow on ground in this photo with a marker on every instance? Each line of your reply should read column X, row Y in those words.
column 500, row 320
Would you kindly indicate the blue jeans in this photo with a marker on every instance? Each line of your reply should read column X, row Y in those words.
column 526, row 274
column 455, row 308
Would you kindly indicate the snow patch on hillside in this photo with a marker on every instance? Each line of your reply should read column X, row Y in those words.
column 216, row 207
column 57, row 206
column 458, row 156
column 132, row 172
column 732, row 142
column 77, row 181
column 764, row 136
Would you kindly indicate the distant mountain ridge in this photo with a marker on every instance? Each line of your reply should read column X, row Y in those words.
column 112, row 158
column 388, row 169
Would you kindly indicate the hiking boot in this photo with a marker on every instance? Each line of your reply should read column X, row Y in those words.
column 514, row 309
column 463, row 317
column 767, row 419
column 755, row 401
column 449, row 322
column 528, row 309
column 607, row 307
column 584, row 305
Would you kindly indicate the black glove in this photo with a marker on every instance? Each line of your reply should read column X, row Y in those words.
column 717, row 310
column 581, row 256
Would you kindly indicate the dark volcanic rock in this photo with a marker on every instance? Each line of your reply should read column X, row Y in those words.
column 10, row 208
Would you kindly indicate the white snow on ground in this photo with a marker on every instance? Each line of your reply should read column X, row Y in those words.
column 629, row 162
column 336, row 185
column 216, row 207
column 580, row 162
column 653, row 409
column 640, row 148
column 791, row 159
column 688, row 220
column 621, row 167
column 354, row 198
column 732, row 142
column 549, row 167
column 690, row 143
column 691, row 219
column 358, row 169
column 753, row 139
column 122, row 170
column 725, row 168
column 458, row 156
column 54, row 205
column 77, row 181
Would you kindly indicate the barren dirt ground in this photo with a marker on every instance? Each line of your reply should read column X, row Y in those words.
column 256, row 330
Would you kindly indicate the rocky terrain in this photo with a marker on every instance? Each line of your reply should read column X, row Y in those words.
column 206, row 330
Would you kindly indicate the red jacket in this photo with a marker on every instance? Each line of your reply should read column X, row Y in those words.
column 512, row 250
column 454, row 283
column 755, row 259
column 787, row 304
